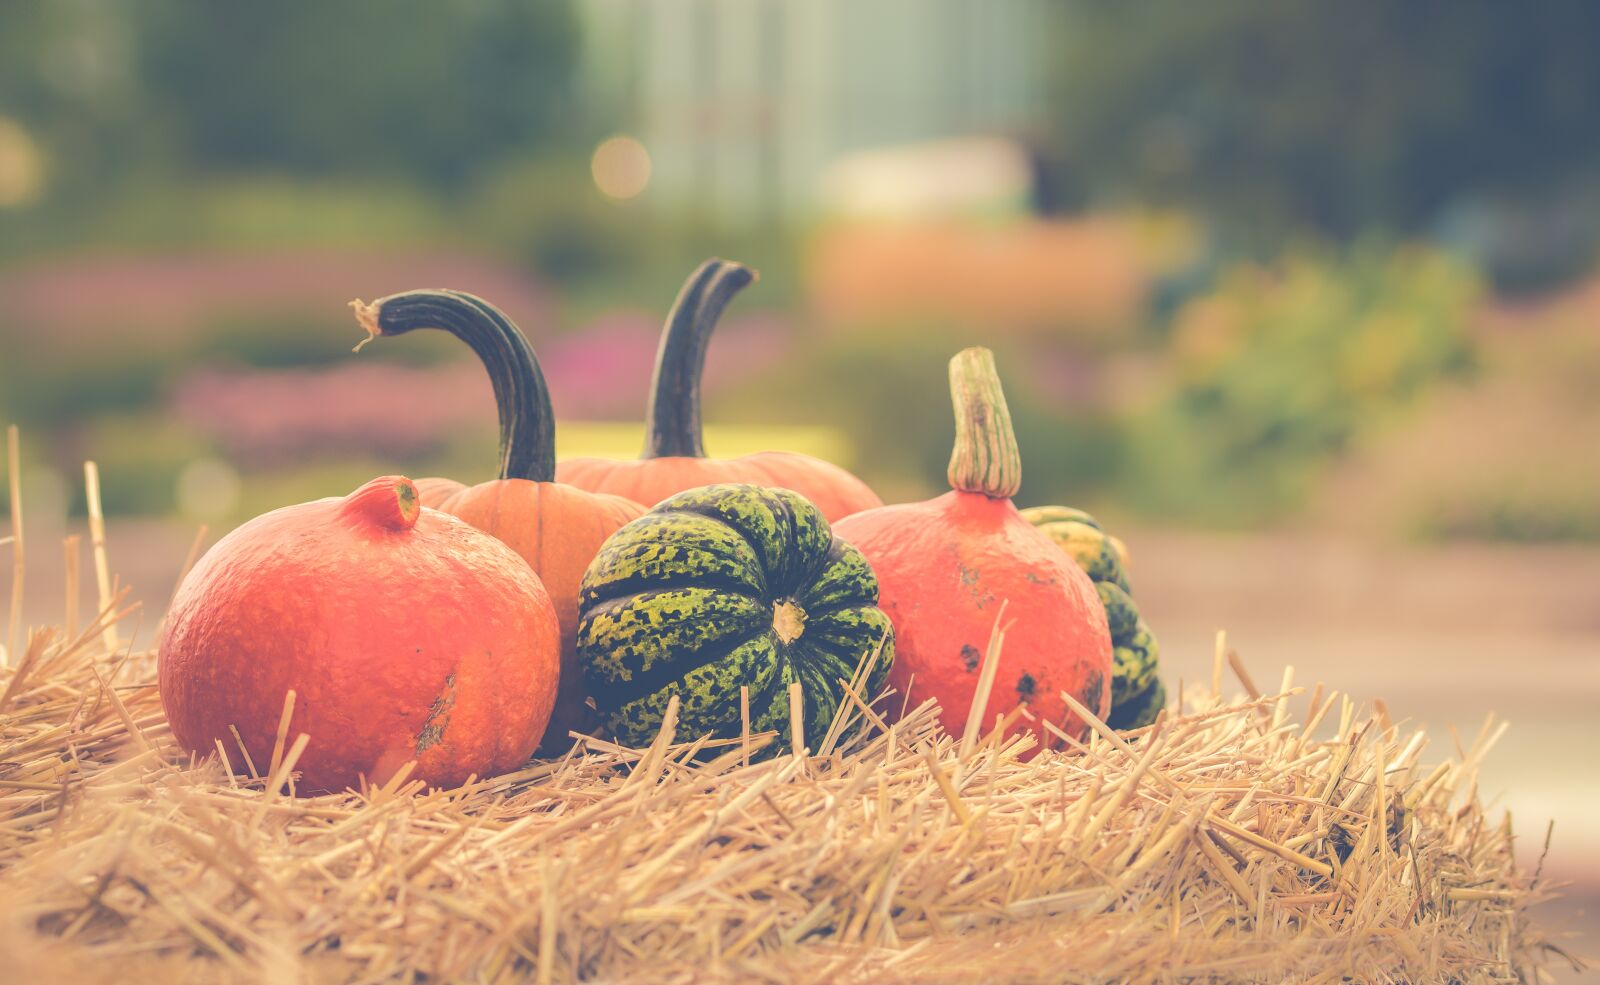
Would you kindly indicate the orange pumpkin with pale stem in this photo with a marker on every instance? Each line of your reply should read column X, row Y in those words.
column 556, row 528
column 674, row 457
column 404, row 633
column 945, row 566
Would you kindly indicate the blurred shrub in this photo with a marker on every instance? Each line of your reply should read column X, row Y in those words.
column 1250, row 112
column 886, row 388
column 302, row 339
column 1271, row 374
column 140, row 457
column 1552, row 510
column 412, row 87
column 547, row 213
column 43, row 384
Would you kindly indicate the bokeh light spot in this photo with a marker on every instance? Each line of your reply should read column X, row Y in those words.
column 21, row 166
column 208, row 489
column 621, row 167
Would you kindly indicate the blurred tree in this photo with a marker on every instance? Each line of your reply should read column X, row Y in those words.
column 65, row 80
column 423, row 88
column 1272, row 114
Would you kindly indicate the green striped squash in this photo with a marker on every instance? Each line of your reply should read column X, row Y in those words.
column 1137, row 693
column 726, row 586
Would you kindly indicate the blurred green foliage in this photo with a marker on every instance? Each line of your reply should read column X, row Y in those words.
column 311, row 89
column 1269, row 377
column 1551, row 510
column 1271, row 116
column 886, row 388
column 457, row 126
column 140, row 456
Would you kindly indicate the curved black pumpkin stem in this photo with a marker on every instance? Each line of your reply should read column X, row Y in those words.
column 527, row 425
column 672, row 423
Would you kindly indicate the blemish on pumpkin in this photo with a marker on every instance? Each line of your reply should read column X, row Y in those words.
column 1094, row 690
column 970, row 657
column 970, row 581
column 1035, row 579
column 1025, row 687
column 438, row 716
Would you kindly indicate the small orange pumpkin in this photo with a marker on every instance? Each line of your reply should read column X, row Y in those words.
column 674, row 456
column 557, row 528
column 947, row 565
column 405, row 635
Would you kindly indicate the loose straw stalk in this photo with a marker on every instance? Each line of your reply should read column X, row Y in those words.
column 97, row 540
column 18, row 568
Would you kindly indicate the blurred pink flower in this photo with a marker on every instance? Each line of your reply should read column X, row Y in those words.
column 372, row 407
column 268, row 416
column 603, row 371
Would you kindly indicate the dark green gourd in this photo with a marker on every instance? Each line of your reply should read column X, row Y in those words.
column 1137, row 692
column 720, row 587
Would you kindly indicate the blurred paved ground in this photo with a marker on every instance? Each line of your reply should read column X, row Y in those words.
column 1443, row 635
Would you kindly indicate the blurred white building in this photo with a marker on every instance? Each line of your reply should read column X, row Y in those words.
column 744, row 104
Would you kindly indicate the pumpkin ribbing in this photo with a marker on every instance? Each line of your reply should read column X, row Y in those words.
column 723, row 587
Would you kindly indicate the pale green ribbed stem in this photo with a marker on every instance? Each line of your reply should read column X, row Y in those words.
column 985, row 459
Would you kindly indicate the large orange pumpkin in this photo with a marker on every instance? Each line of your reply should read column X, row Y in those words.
column 404, row 633
column 674, row 456
column 945, row 566
column 557, row 528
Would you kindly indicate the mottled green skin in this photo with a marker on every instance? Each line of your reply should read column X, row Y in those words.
column 1136, row 690
column 1142, row 709
column 681, row 602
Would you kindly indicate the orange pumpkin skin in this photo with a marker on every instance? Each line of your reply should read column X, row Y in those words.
column 674, row 458
column 435, row 490
column 835, row 492
column 558, row 530
column 945, row 567
column 404, row 633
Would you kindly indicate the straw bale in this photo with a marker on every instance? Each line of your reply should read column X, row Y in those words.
column 1272, row 837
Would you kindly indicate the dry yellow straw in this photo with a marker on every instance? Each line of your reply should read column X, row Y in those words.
column 1207, row 847
column 69, row 551
column 797, row 722
column 1218, row 655
column 97, row 539
column 13, row 459
column 985, row 686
